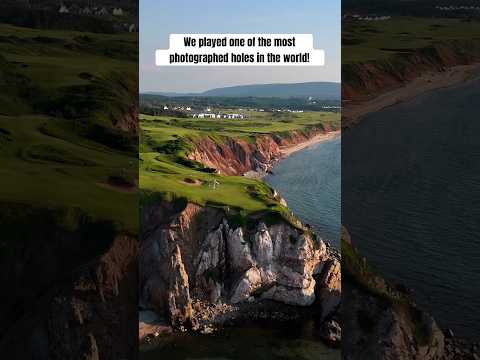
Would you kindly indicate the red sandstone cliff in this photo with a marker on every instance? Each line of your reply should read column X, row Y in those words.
column 237, row 156
column 362, row 81
column 196, row 254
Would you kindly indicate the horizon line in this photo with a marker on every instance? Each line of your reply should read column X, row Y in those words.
column 233, row 86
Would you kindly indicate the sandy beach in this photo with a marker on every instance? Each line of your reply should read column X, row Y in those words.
column 286, row 151
column 289, row 150
column 353, row 112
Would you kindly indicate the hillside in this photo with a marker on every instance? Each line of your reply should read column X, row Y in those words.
column 175, row 160
column 78, row 15
column 318, row 90
column 395, row 60
column 68, row 200
column 67, row 115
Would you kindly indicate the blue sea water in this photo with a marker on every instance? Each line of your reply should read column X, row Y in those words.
column 411, row 200
column 310, row 182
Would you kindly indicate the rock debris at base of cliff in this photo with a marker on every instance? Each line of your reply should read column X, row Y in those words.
column 196, row 268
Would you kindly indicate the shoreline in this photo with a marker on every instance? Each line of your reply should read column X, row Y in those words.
column 431, row 81
column 214, row 319
column 286, row 151
column 354, row 111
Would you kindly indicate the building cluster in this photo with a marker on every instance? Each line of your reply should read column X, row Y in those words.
column 207, row 112
column 358, row 17
column 218, row 116
column 287, row 110
column 91, row 10
column 100, row 11
column 457, row 8
column 178, row 108
column 254, row 109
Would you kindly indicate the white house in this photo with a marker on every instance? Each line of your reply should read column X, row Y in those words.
column 165, row 107
column 63, row 9
column 117, row 12
column 203, row 116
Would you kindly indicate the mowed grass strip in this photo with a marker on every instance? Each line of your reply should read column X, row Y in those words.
column 53, row 160
column 63, row 172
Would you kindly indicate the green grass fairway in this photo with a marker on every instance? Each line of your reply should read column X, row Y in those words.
column 364, row 41
column 61, row 96
column 166, row 140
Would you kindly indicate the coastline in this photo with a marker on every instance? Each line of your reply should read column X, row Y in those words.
column 286, row 151
column 355, row 111
column 289, row 150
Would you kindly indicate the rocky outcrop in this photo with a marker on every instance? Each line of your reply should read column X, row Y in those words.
column 379, row 321
column 95, row 318
column 72, row 295
column 178, row 293
column 216, row 262
column 236, row 156
column 329, row 288
column 376, row 329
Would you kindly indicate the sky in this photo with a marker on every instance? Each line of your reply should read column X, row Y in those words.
column 158, row 19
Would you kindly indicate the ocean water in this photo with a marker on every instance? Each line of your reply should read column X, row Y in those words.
column 258, row 340
column 310, row 182
column 411, row 200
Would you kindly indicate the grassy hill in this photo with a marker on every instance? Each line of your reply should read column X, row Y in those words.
column 64, row 96
column 319, row 90
column 166, row 173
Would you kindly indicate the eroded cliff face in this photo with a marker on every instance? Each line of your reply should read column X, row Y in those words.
column 129, row 121
column 374, row 329
column 196, row 254
column 95, row 316
column 380, row 321
column 364, row 80
column 237, row 156
column 69, row 294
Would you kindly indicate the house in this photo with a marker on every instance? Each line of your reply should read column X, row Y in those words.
column 117, row 12
column 189, row 108
column 230, row 116
column 132, row 28
column 203, row 116
column 165, row 107
column 63, row 10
